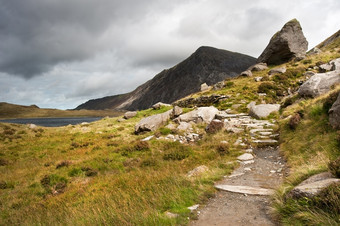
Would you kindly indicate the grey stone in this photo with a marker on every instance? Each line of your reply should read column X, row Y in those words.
column 198, row 171
column 159, row 105
column 204, row 87
column 246, row 73
column 309, row 73
column 314, row 51
column 279, row 70
column 258, row 67
column 312, row 189
column 202, row 114
column 334, row 114
column 184, row 126
column 176, row 111
column 258, row 79
column 245, row 157
column 245, row 189
column 194, row 207
column 218, row 85
column 262, row 110
column 130, row 114
column 285, row 45
column 319, row 84
column 153, row 122
column 214, row 126
column 333, row 65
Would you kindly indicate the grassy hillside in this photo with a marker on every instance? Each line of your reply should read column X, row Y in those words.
column 19, row 111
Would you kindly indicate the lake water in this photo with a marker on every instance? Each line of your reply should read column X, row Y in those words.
column 52, row 122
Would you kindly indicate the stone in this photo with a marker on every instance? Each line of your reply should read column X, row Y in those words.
column 309, row 73
column 312, row 189
column 171, row 126
column 159, row 105
column 218, row 85
column 285, row 45
column 148, row 138
column 245, row 189
column 201, row 114
column 258, row 67
column 279, row 70
column 333, row 65
column 317, row 177
column 267, row 142
column 184, row 126
column 32, row 126
column 171, row 215
column 194, row 207
column 262, row 110
column 246, row 73
column 121, row 120
column 245, row 157
column 319, row 84
column 314, row 51
column 334, row 114
column 204, row 87
column 153, row 122
column 258, row 79
column 198, row 171
column 130, row 114
column 214, row 126
column 176, row 111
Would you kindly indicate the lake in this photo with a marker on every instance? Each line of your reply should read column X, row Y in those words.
column 52, row 122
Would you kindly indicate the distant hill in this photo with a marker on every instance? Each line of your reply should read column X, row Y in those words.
column 330, row 43
column 206, row 65
column 8, row 110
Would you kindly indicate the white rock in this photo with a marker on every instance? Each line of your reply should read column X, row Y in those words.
column 245, row 157
column 245, row 190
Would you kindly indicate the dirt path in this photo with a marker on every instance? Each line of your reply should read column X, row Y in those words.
column 240, row 207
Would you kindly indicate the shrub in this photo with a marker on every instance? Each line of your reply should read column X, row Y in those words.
column 75, row 172
column 165, row 131
column 6, row 185
column 295, row 72
column 142, row 146
column 89, row 172
column 214, row 126
column 229, row 84
column 63, row 164
column 329, row 199
column 149, row 162
column 54, row 183
column 176, row 151
column 3, row 162
column 334, row 167
column 330, row 101
column 266, row 87
column 294, row 121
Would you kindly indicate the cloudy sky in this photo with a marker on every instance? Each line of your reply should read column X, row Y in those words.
column 61, row 53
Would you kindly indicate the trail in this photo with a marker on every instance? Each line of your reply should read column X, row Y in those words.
column 244, row 196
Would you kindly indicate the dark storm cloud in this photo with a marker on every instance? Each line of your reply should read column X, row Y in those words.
column 38, row 34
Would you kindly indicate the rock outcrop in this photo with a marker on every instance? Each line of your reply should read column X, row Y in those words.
column 153, row 122
column 202, row 114
column 285, row 45
column 262, row 110
column 130, row 114
column 334, row 114
column 258, row 67
column 319, row 84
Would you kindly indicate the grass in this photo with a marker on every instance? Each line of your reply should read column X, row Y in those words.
column 100, row 174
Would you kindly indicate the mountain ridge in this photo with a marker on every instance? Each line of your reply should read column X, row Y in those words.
column 206, row 65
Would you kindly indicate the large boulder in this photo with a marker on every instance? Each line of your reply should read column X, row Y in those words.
column 258, row 67
column 333, row 65
column 202, row 114
column 159, row 105
column 130, row 114
column 262, row 110
column 153, row 122
column 285, row 45
column 334, row 114
column 319, row 84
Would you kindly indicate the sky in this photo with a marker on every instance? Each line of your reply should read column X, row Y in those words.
column 61, row 53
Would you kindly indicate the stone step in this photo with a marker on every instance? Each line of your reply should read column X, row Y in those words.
column 267, row 142
column 245, row 189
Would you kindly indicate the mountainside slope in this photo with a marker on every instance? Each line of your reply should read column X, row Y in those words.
column 207, row 65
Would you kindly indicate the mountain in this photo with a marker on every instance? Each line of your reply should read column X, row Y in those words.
column 206, row 65
column 330, row 43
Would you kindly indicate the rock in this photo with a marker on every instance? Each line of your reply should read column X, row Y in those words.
column 314, row 51
column 153, row 122
column 279, row 70
column 121, row 120
column 214, row 126
column 198, row 171
column 333, row 65
column 130, row 114
column 147, row 138
column 258, row 79
column 285, row 45
column 262, row 110
column 266, row 142
column 218, row 85
column 202, row 114
column 319, row 84
column 194, row 207
column 176, row 111
column 171, row 126
column 245, row 189
column 32, row 126
column 246, row 73
column 201, row 101
column 258, row 67
column 159, row 105
column 309, row 73
column 334, row 114
column 184, row 126
column 311, row 189
column 204, row 87
column 171, row 215
column 245, row 157
column 317, row 177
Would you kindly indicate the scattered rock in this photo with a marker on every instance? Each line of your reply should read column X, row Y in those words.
column 204, row 87
column 202, row 114
column 159, row 105
column 194, row 207
column 245, row 157
column 176, row 111
column 130, row 114
column 319, row 84
column 184, row 126
column 201, row 101
column 245, row 189
column 262, row 110
column 334, row 114
column 171, row 215
column 148, row 138
column 314, row 51
column 246, row 73
column 285, row 45
column 153, row 122
column 32, row 126
column 333, row 65
column 214, row 126
column 258, row 67
column 258, row 79
column 198, row 171
column 218, row 85
column 279, row 70
column 121, row 120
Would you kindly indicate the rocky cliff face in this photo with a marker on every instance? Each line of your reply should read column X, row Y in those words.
column 286, row 44
column 207, row 65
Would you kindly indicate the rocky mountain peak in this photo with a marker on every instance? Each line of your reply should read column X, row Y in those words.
column 286, row 44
